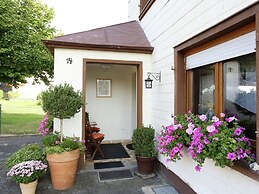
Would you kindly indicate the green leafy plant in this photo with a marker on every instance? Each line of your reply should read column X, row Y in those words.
column 143, row 141
column 26, row 23
column 53, row 145
column 27, row 164
column 61, row 102
column 26, row 153
column 222, row 140
column 52, row 141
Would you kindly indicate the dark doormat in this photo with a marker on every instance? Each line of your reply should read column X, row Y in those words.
column 115, row 175
column 112, row 151
column 129, row 146
column 103, row 165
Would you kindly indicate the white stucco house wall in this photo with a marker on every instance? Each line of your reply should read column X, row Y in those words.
column 106, row 53
column 171, row 37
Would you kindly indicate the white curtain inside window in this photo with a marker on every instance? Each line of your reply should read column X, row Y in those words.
column 239, row 46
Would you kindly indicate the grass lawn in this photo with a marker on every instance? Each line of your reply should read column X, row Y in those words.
column 20, row 116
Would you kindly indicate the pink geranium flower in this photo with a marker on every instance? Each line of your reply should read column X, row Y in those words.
column 238, row 131
column 198, row 168
column 215, row 119
column 230, row 119
column 211, row 129
column 231, row 156
column 202, row 117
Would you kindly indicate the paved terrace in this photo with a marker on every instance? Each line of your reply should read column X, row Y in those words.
column 87, row 181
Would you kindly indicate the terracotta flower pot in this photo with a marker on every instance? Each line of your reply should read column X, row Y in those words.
column 145, row 165
column 29, row 188
column 63, row 169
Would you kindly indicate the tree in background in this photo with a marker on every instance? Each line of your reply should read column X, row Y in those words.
column 23, row 24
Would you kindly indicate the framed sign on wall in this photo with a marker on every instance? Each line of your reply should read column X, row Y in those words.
column 103, row 88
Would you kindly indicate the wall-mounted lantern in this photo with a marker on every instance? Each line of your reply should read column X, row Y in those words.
column 148, row 81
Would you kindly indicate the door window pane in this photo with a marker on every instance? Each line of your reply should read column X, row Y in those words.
column 240, row 91
column 203, row 90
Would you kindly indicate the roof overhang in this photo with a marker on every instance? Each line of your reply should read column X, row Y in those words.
column 51, row 44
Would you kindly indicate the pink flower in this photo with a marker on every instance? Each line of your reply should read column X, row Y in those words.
column 57, row 142
column 231, row 156
column 197, row 132
column 202, row 117
column 217, row 124
column 176, row 149
column 170, row 128
column 230, row 119
column 206, row 141
column 190, row 125
column 222, row 115
column 198, row 168
column 215, row 119
column 189, row 131
column 190, row 128
column 238, row 131
column 211, row 129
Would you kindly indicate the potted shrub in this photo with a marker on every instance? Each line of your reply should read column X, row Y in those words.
column 143, row 142
column 220, row 139
column 26, row 166
column 61, row 102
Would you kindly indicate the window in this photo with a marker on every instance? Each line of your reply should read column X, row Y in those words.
column 144, row 7
column 235, row 26
column 236, row 96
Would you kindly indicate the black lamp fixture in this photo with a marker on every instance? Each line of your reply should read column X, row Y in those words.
column 148, row 81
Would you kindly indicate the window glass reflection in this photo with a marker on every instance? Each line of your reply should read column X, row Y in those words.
column 204, row 90
column 240, row 91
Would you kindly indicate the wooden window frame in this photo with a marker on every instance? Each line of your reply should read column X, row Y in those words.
column 144, row 7
column 226, row 30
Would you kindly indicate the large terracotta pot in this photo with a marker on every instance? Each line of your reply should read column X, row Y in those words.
column 29, row 188
column 63, row 169
column 145, row 165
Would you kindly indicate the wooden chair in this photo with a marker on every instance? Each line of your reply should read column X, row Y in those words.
column 94, row 138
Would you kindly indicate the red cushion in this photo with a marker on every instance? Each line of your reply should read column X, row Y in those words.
column 97, row 135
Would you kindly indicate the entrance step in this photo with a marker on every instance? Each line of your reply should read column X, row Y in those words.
column 159, row 189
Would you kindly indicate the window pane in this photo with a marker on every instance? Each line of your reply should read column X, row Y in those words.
column 240, row 91
column 203, row 91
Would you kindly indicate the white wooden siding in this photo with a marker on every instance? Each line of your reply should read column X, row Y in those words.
column 239, row 46
column 167, row 24
column 133, row 10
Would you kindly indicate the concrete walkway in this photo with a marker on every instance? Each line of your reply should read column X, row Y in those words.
column 86, row 181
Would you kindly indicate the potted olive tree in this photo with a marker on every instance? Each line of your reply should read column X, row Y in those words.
column 143, row 142
column 62, row 102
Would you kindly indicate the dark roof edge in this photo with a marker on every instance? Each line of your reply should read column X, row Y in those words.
column 51, row 44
